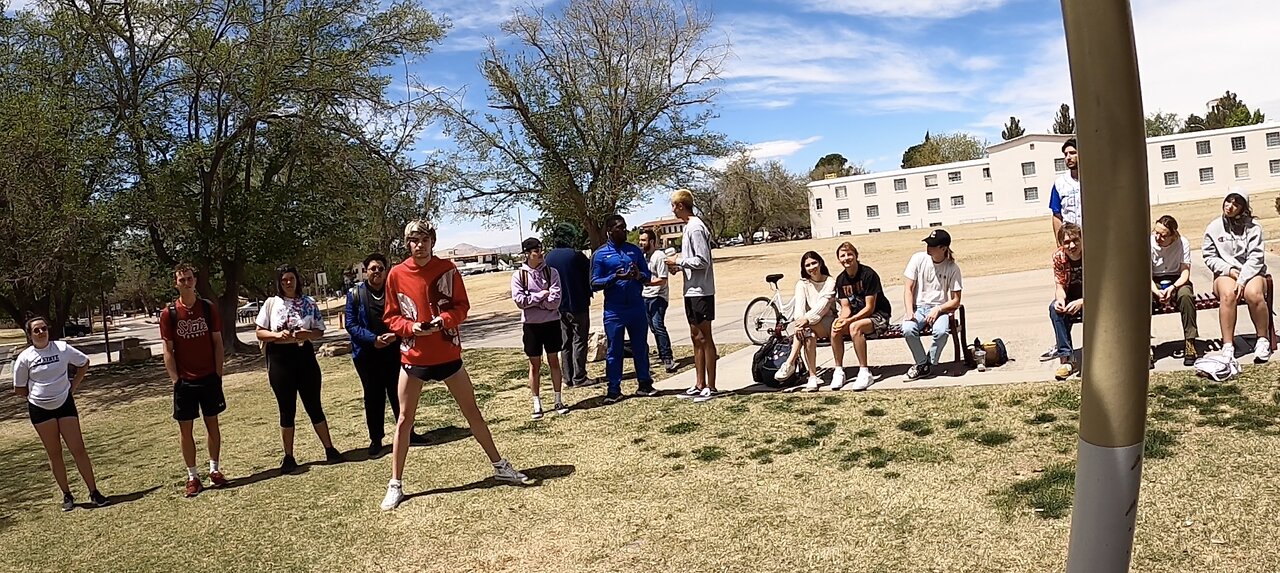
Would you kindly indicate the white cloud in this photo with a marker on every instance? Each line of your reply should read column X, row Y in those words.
column 931, row 9
column 478, row 14
column 780, row 148
column 13, row 6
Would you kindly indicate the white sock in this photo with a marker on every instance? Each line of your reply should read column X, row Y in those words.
column 559, row 399
column 864, row 370
column 192, row 473
column 537, row 404
column 213, row 466
column 499, row 463
column 394, row 482
column 1228, row 349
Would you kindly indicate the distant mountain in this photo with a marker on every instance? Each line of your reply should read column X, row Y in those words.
column 464, row 249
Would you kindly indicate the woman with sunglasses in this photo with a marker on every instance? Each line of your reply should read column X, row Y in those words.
column 47, row 375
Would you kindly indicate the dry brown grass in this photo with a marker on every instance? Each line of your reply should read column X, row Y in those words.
column 879, row 481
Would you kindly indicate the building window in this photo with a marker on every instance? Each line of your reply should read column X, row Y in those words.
column 842, row 192
column 986, row 172
column 1030, row 194
column 1203, row 148
column 900, row 184
column 869, row 188
column 1028, row 169
column 1237, row 143
column 991, row 197
column 953, row 176
column 957, row 200
column 937, row 224
column 930, row 180
column 1273, row 139
column 1168, row 152
column 1170, row 178
column 874, row 230
column 845, row 233
column 1206, row 175
column 904, row 227
column 873, row 211
column 842, row 214
column 1242, row 170
column 1060, row 164
column 1275, row 166
column 934, row 205
column 817, row 203
column 903, row 209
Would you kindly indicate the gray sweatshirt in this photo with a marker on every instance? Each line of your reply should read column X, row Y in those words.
column 1224, row 250
column 695, row 259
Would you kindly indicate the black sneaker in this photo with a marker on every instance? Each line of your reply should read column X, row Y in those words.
column 68, row 502
column 98, row 499
column 375, row 448
column 671, row 366
column 646, row 390
column 919, row 371
column 416, row 439
column 332, row 455
column 612, row 398
column 288, row 465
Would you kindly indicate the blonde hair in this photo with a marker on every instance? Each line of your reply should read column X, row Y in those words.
column 683, row 197
column 420, row 227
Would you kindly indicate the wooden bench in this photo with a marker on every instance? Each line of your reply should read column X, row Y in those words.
column 1206, row 301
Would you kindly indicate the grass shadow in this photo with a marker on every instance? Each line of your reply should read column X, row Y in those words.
column 122, row 498
column 540, row 474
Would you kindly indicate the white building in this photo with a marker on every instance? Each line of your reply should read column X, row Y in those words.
column 1015, row 178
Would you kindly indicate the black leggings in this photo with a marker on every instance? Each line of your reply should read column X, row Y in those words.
column 294, row 373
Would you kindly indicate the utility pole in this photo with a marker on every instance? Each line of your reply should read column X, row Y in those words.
column 1116, row 202
column 106, row 335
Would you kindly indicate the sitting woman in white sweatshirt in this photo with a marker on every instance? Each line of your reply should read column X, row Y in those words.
column 1233, row 251
column 811, row 316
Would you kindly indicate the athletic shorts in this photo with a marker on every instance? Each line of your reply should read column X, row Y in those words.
column 542, row 336
column 880, row 322
column 700, row 309
column 40, row 415
column 433, row 373
column 202, row 396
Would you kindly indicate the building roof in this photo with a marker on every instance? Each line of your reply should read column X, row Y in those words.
column 1057, row 138
column 661, row 222
column 1213, row 132
column 901, row 172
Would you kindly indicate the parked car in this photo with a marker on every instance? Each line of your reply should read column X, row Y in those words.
column 74, row 328
column 249, row 310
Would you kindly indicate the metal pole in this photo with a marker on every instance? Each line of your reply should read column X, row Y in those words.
column 1116, row 203
column 106, row 337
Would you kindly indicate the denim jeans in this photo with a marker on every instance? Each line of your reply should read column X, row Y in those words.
column 656, row 307
column 1062, row 329
column 912, row 329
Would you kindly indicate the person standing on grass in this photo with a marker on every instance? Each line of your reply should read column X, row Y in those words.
column 575, row 309
column 47, row 375
column 375, row 351
column 619, row 269
column 194, row 357
column 864, row 311
column 932, row 292
column 1067, row 307
column 535, row 288
column 1233, row 250
column 656, row 294
column 695, row 263
column 1171, row 280
column 426, row 303
column 812, row 317
column 287, row 324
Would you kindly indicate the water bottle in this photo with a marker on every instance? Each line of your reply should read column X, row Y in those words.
column 980, row 356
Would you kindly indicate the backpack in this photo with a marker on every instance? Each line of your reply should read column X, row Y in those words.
column 1217, row 367
column 769, row 358
column 997, row 353
column 524, row 276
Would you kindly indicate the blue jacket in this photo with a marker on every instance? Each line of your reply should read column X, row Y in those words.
column 620, row 295
column 575, row 278
column 363, row 333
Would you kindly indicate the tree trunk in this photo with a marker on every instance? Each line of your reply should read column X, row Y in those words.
column 228, row 303
column 595, row 233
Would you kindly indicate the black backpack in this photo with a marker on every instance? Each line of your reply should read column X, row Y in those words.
column 769, row 357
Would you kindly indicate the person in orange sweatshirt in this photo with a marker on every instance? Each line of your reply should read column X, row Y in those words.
column 425, row 303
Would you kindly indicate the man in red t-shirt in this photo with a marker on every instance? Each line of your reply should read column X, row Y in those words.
column 193, row 356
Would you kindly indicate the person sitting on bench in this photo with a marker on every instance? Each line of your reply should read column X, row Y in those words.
column 1067, row 307
column 864, row 311
column 932, row 292
column 1233, row 250
column 812, row 317
column 1171, row 280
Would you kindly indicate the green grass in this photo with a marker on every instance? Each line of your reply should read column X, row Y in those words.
column 1048, row 495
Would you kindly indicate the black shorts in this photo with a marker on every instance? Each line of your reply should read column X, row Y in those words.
column 40, row 415
column 700, row 309
column 192, row 398
column 542, row 336
column 433, row 373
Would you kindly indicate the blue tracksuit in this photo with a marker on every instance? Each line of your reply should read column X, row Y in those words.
column 624, row 310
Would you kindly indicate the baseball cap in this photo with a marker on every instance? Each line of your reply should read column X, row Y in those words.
column 938, row 238
column 530, row 244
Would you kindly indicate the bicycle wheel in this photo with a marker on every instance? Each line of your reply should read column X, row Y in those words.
column 760, row 320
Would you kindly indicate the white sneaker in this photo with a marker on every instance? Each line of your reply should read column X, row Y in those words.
column 812, row 384
column 502, row 471
column 788, row 370
column 395, row 495
column 690, row 393
column 862, row 381
column 706, row 394
column 1262, row 350
column 561, row 408
column 837, row 378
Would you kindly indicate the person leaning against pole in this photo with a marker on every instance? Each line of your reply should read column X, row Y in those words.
column 1171, row 280
column 535, row 288
column 695, row 263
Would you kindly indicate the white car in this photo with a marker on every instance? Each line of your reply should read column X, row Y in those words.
column 249, row 310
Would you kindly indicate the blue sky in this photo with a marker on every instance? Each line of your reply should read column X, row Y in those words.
column 867, row 78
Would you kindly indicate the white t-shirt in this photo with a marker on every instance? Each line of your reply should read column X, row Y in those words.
column 934, row 281
column 1068, row 191
column 657, row 266
column 44, row 373
column 279, row 314
column 1169, row 260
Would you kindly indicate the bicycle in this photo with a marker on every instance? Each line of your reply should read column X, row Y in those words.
column 767, row 316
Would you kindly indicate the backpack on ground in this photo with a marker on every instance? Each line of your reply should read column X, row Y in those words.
column 1217, row 367
column 997, row 353
column 770, row 357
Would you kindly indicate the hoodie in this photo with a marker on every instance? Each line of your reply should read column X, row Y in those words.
column 420, row 294
column 1234, row 245
column 536, row 291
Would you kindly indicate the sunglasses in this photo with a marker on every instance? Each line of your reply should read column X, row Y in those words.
column 40, row 330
